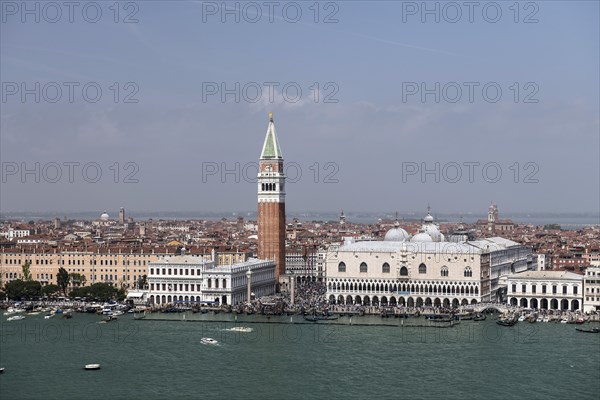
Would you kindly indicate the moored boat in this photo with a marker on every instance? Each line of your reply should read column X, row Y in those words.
column 508, row 321
column 479, row 317
column 592, row 330
column 108, row 318
column 15, row 318
column 315, row 318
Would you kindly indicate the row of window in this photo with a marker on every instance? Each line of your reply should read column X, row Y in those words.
column 544, row 289
column 79, row 262
column 385, row 268
column 188, row 286
column 269, row 187
column 108, row 277
column 174, row 271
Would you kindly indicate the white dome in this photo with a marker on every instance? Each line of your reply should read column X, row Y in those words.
column 428, row 218
column 421, row 237
column 433, row 231
column 396, row 235
column 104, row 216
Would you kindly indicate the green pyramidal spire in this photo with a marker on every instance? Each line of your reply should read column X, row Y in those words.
column 271, row 146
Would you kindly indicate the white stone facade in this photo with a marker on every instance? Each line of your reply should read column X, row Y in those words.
column 419, row 273
column 546, row 290
column 591, row 296
column 187, row 279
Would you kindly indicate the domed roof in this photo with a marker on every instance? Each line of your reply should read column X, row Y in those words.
column 428, row 218
column 433, row 231
column 396, row 234
column 421, row 237
column 104, row 216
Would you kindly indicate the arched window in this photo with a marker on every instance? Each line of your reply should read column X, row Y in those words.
column 444, row 271
column 403, row 271
column 422, row 269
column 385, row 268
column 342, row 267
column 468, row 272
column 363, row 267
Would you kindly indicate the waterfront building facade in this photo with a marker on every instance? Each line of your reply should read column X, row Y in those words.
column 271, row 201
column 591, row 284
column 186, row 279
column 546, row 290
column 422, row 270
column 306, row 264
column 119, row 268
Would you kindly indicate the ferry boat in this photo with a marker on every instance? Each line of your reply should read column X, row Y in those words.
column 207, row 340
column 15, row 318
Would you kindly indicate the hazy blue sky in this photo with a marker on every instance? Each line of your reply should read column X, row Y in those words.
column 368, row 61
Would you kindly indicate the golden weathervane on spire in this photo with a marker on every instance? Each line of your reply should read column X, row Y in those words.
column 271, row 116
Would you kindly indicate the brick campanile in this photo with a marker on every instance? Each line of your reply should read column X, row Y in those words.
column 271, row 201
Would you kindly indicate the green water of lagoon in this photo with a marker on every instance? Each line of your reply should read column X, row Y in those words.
column 150, row 359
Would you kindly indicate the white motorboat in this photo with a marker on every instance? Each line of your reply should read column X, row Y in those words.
column 521, row 318
column 241, row 329
column 48, row 316
column 15, row 318
column 12, row 311
column 91, row 367
column 207, row 340
column 1, row 370
column 117, row 313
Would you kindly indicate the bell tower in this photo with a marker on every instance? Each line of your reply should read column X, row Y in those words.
column 271, row 201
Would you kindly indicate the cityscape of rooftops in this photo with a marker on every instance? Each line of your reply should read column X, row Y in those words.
column 326, row 199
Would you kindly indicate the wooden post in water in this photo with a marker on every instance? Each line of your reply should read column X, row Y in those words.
column 292, row 283
column 249, row 278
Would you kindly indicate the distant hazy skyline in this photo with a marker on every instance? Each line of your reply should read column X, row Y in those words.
column 365, row 146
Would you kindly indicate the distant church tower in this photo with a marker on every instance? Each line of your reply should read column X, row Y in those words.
column 271, row 201
column 492, row 217
column 122, row 216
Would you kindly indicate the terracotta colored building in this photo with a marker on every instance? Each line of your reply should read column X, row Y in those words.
column 271, row 201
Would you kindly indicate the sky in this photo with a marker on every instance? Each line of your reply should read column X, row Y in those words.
column 378, row 105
